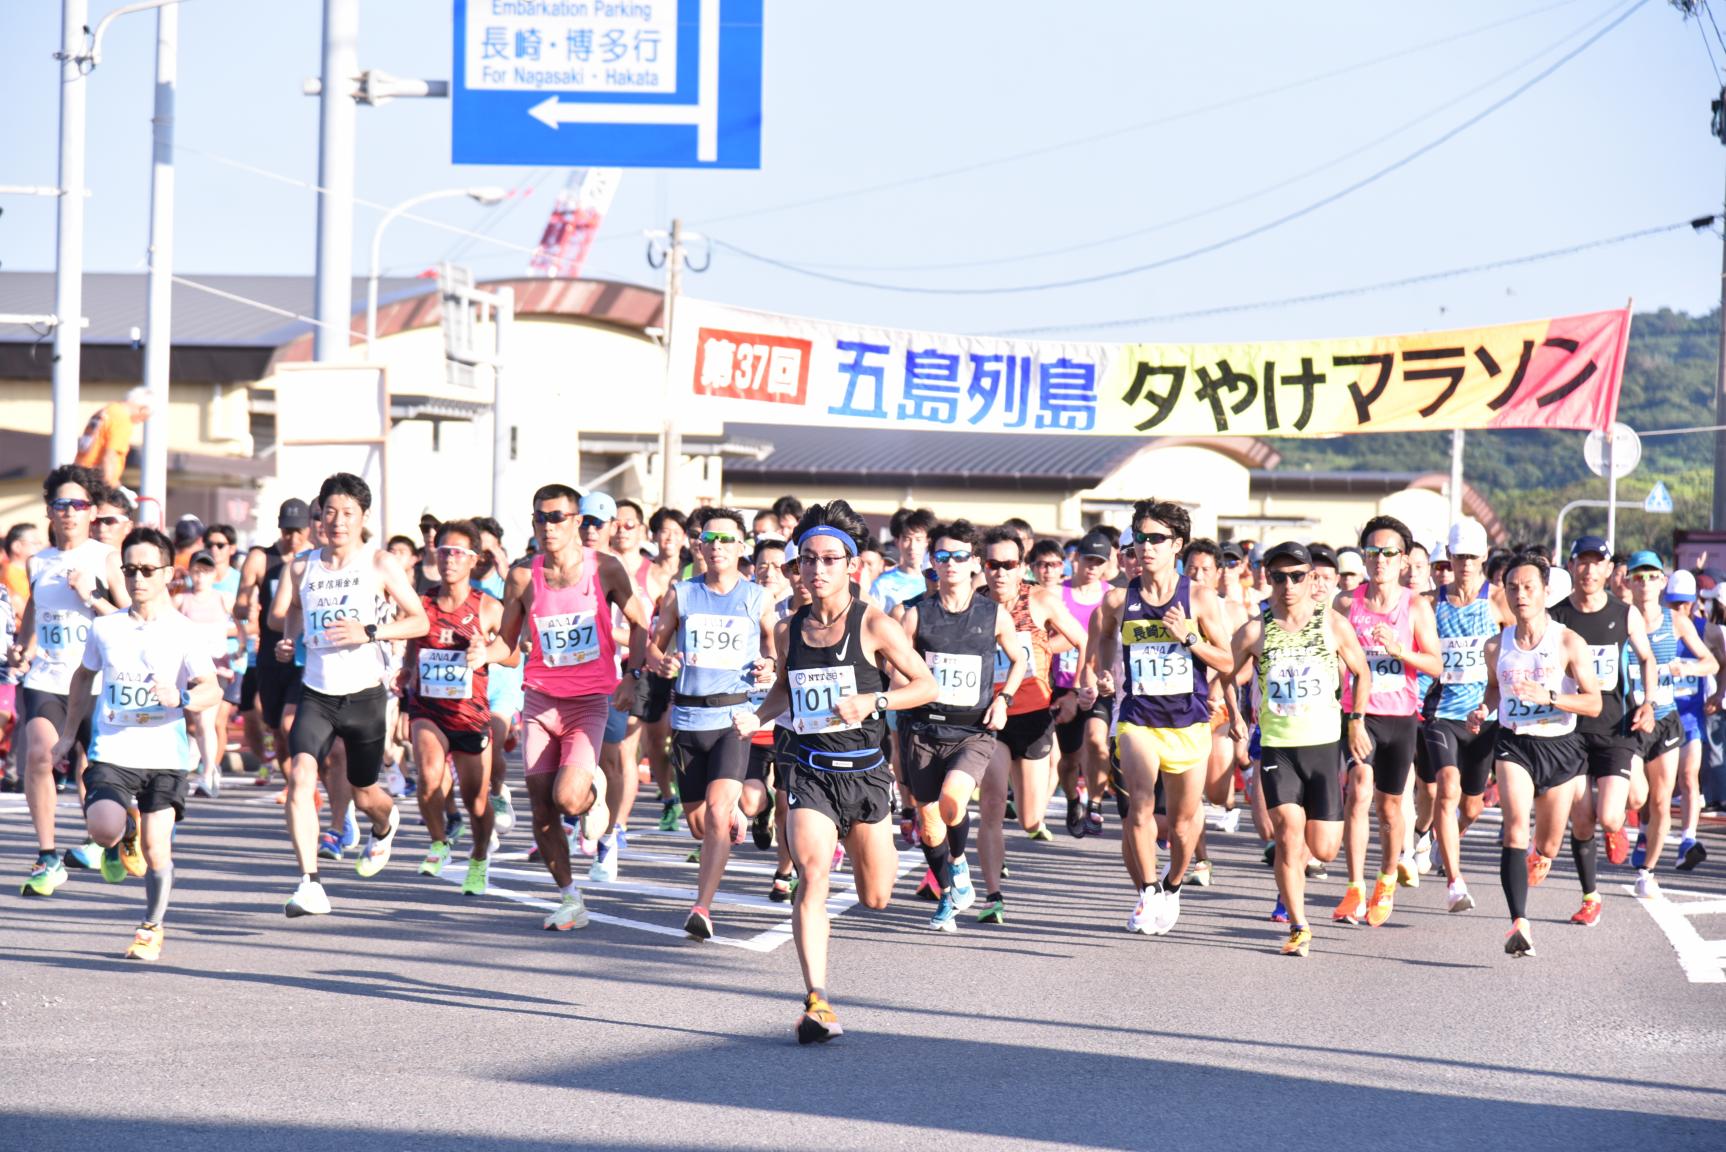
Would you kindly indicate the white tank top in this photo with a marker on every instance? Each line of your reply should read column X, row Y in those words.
column 331, row 594
column 62, row 620
column 1544, row 664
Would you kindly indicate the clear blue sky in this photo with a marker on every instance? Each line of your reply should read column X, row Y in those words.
column 863, row 94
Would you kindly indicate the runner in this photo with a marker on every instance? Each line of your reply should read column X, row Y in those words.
column 1667, row 631
column 1689, row 696
column 332, row 597
column 1611, row 736
column 277, row 681
column 563, row 602
column 910, row 528
column 1540, row 678
column 840, row 788
column 449, row 714
column 154, row 668
column 1168, row 631
column 70, row 586
column 653, row 693
column 772, row 570
column 1083, row 736
column 715, row 635
column 1467, row 613
column 113, row 522
column 1397, row 632
column 1296, row 647
column 212, row 617
column 951, row 740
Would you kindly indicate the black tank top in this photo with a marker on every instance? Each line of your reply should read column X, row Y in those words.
column 812, row 698
column 1604, row 632
column 267, row 636
column 960, row 649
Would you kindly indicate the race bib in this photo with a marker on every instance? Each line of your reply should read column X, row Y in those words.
column 567, row 640
column 1464, row 659
column 815, row 694
column 1293, row 687
column 1605, row 665
column 62, row 633
column 1067, row 663
column 959, row 678
column 319, row 620
column 1520, row 714
column 444, row 674
column 1160, row 669
column 1664, row 690
column 714, row 641
column 1384, row 666
column 1004, row 665
column 131, row 705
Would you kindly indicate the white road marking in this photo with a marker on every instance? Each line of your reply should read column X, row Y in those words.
column 1703, row 961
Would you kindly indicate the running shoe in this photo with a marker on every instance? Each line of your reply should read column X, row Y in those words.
column 436, row 857
column 309, row 899
column 1639, row 854
column 780, row 891
column 1383, row 895
column 907, row 826
column 1270, row 855
column 1006, row 872
column 1143, row 915
column 1538, row 867
column 377, row 852
column 350, row 830
column 964, row 894
column 262, row 779
column 1589, row 914
column 946, row 917
column 928, row 889
column 1353, row 905
column 1076, row 827
column 146, row 943
column 503, row 812
column 1012, row 812
column 1166, row 912
column 738, row 828
column 669, row 815
column 995, row 912
column 1040, row 833
column 1456, row 897
column 1200, row 873
column 1519, row 941
column 818, row 1024
column 477, row 879
column 454, row 827
column 761, row 828
column 85, row 857
column 570, row 913
column 603, row 870
column 45, row 877
column 1094, row 818
column 1647, row 887
column 1280, row 914
column 1407, row 873
column 113, row 870
column 394, row 782
column 699, row 924
column 597, row 816
column 1423, row 853
column 1299, row 940
column 1229, row 821
column 131, row 852
column 329, row 846
column 1690, row 854
column 1617, row 847
column 838, row 858
column 1315, row 870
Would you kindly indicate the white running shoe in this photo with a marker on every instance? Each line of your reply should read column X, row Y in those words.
column 503, row 809
column 597, row 816
column 1200, row 873
column 1456, row 896
column 571, row 913
column 603, row 870
column 377, row 852
column 1144, row 912
column 1423, row 853
column 1168, row 910
column 1230, row 821
column 394, row 782
column 1647, row 887
column 309, row 899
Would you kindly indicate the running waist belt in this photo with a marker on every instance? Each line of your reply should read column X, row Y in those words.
column 971, row 718
column 719, row 700
column 844, row 763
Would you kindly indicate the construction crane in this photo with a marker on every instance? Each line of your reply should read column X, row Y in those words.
column 583, row 203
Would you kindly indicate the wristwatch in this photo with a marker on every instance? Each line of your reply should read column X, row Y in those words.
column 1007, row 699
column 1353, row 716
column 880, row 702
column 371, row 632
column 1189, row 639
column 635, row 673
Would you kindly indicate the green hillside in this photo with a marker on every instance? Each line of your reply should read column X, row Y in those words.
column 1528, row 476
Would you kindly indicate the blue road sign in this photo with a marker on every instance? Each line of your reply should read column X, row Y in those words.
column 607, row 83
column 1659, row 499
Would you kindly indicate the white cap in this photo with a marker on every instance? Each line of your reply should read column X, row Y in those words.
column 1348, row 560
column 1126, row 537
column 140, row 395
column 1557, row 585
column 1438, row 553
column 1681, row 585
column 1467, row 538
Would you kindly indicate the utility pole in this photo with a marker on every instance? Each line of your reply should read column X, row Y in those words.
column 334, row 291
column 69, row 235
column 671, row 434
column 158, row 311
column 1717, row 519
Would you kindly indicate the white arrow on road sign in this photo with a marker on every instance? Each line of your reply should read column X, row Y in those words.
column 1659, row 499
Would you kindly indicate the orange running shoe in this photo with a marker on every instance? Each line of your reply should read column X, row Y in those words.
column 146, row 943
column 1538, row 867
column 818, row 1024
column 1353, row 905
column 1589, row 914
column 1383, row 893
column 131, row 854
column 1617, row 847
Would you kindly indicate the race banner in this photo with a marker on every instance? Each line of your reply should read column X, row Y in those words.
column 758, row 367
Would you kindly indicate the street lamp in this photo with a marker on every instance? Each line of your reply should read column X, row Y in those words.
column 487, row 196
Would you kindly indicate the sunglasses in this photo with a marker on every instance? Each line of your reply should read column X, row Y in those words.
column 593, row 522
column 455, row 551
column 1389, row 552
column 144, row 571
column 769, row 566
column 109, row 521
column 1151, row 537
column 1231, row 562
column 1002, row 565
column 823, row 561
column 950, row 555
column 1281, row 578
column 557, row 517
column 207, row 543
column 71, row 504
column 1050, row 564
column 1647, row 577
column 716, row 537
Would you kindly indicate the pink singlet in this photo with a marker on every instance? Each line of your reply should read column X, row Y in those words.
column 571, row 671
column 1393, row 682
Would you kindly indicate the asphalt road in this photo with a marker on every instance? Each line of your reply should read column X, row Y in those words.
column 415, row 1018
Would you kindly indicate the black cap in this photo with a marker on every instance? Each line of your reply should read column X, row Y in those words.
column 1290, row 550
column 202, row 556
column 1097, row 544
column 1590, row 544
column 293, row 515
column 1318, row 554
column 1232, row 549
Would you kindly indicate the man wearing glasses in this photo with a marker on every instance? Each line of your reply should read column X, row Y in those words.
column 113, row 522
column 1296, row 649
column 1083, row 734
column 276, row 683
column 1396, row 630
column 154, row 669
column 561, row 604
column 70, row 586
column 714, row 633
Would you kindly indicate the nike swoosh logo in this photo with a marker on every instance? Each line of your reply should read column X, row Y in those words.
column 845, row 646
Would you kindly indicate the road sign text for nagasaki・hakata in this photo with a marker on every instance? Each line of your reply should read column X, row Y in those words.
column 760, row 367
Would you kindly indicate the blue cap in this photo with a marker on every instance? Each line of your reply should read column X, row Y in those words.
column 599, row 505
column 1645, row 559
column 1590, row 544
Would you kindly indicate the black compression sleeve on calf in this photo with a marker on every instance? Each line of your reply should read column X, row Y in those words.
column 1586, row 853
column 958, row 835
column 940, row 860
column 158, row 884
column 1513, row 874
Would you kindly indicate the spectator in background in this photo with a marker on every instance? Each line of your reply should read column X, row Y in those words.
column 789, row 510
column 114, row 517
column 1350, row 569
column 1417, row 574
column 108, row 436
column 22, row 542
column 405, row 551
column 221, row 541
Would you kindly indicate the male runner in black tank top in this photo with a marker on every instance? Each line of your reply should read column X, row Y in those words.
column 840, row 786
column 276, row 683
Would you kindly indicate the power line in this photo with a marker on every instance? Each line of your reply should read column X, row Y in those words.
column 1215, row 245
column 1130, row 129
column 1339, row 293
column 1709, row 48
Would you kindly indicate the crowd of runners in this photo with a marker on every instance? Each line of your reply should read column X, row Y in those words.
column 792, row 679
